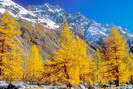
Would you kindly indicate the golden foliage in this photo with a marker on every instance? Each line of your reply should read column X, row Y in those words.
column 100, row 68
column 71, row 63
column 117, row 57
column 10, row 51
column 34, row 66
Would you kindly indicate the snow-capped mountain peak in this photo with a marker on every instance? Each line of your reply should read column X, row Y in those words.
column 89, row 29
column 20, row 12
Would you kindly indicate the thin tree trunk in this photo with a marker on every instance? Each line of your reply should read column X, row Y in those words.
column 1, row 51
column 67, row 76
column 117, row 77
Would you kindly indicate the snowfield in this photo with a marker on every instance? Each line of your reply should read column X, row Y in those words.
column 20, row 12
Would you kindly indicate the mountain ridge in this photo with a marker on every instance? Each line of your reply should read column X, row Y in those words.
column 88, row 28
column 20, row 12
column 53, row 17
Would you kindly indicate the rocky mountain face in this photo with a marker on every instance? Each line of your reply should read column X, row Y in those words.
column 34, row 29
column 89, row 29
column 46, row 39
column 21, row 13
column 40, row 25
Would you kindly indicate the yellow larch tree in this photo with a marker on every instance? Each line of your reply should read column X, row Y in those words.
column 117, row 58
column 130, row 64
column 100, row 68
column 11, row 57
column 34, row 66
column 85, row 63
column 71, row 63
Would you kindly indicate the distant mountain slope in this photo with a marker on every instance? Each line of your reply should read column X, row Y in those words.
column 20, row 12
column 52, row 17
column 89, row 29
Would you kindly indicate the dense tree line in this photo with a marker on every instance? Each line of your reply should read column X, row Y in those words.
column 71, row 65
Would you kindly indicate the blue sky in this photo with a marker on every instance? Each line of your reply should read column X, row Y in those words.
column 118, row 12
